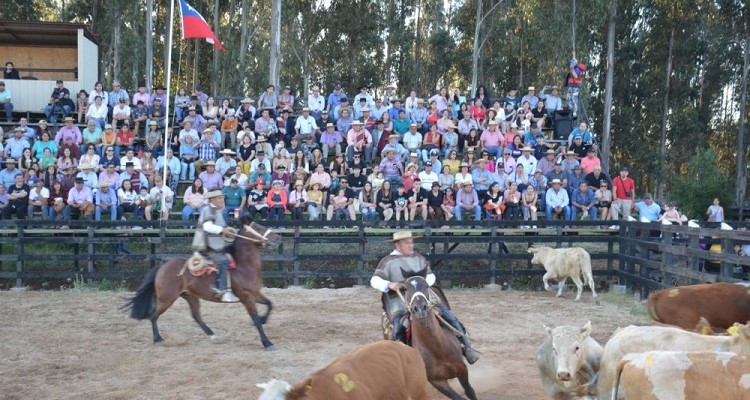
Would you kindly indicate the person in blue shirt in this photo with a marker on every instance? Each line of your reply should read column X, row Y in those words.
column 334, row 99
column 648, row 209
column 583, row 202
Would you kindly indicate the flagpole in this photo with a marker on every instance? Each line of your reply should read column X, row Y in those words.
column 166, row 144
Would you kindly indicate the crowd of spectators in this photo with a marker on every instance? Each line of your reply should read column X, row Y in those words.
column 335, row 157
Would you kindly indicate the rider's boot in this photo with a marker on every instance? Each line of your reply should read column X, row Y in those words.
column 471, row 355
column 226, row 295
column 399, row 330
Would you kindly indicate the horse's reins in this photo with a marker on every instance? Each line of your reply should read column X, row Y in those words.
column 258, row 237
column 440, row 317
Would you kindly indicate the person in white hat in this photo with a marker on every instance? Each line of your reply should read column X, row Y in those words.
column 106, row 202
column 389, row 277
column 209, row 240
column 358, row 140
column 530, row 97
column 226, row 161
column 557, row 201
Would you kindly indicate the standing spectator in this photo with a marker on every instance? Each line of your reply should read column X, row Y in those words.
column 467, row 201
column 624, row 191
column 38, row 198
column 106, row 202
column 574, row 81
column 715, row 212
column 5, row 101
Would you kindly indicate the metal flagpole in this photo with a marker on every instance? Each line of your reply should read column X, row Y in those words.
column 165, row 144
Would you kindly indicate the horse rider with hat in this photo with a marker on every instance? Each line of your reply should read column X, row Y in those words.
column 389, row 277
column 212, row 240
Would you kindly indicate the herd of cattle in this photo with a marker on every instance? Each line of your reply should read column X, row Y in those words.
column 680, row 357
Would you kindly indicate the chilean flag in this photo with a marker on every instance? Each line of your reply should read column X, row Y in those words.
column 194, row 26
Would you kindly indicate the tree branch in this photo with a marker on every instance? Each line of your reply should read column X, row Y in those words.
column 487, row 14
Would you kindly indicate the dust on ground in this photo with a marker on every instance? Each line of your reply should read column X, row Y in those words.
column 68, row 345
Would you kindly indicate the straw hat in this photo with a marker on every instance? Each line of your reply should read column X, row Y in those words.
column 299, row 183
column 402, row 235
column 227, row 151
column 246, row 100
column 211, row 163
column 215, row 193
column 103, row 184
column 85, row 166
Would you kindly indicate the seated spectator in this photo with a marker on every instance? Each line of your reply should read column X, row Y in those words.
column 557, row 201
column 492, row 202
column 153, row 139
column 579, row 147
column 195, row 199
column 212, row 180
column 367, row 203
column 512, row 201
column 583, row 202
column 10, row 71
column 234, row 197
column 331, row 139
column 528, row 204
column 81, row 201
column 38, row 199
column 603, row 200
column 672, row 215
column 57, row 201
column 127, row 200
column 106, row 202
column 97, row 112
column 298, row 200
column 315, row 201
column 16, row 144
column 66, row 160
column 229, row 128
column 386, row 201
column 467, row 201
column 277, row 201
column 345, row 204
column 162, row 199
column 90, row 180
column 59, row 103
column 82, row 104
column 139, row 115
column 418, row 201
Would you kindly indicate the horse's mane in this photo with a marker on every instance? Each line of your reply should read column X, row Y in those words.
column 409, row 273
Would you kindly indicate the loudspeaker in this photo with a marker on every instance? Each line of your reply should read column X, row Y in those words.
column 563, row 124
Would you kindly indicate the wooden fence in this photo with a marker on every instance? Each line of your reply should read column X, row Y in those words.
column 643, row 256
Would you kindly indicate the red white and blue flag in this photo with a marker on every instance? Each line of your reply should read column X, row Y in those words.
column 194, row 26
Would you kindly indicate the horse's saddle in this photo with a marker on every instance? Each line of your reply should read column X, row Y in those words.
column 200, row 265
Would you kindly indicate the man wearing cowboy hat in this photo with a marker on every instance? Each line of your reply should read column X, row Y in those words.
column 136, row 177
column 393, row 144
column 389, row 278
column 226, row 161
column 106, row 202
column 363, row 94
column 209, row 240
column 212, row 180
column 15, row 145
column 527, row 160
column 90, row 179
column 552, row 101
column 530, row 97
column 557, row 201
column 316, row 102
column 246, row 111
column 306, row 124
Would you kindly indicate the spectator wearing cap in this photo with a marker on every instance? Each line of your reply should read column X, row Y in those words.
column 269, row 99
column 379, row 109
column 316, row 102
column 246, row 111
column 557, row 201
column 530, row 136
column 623, row 188
column 15, row 144
column 59, row 102
column 579, row 147
column 263, row 174
column 6, row 102
column 137, row 179
column 120, row 112
column 197, row 121
column 234, row 197
column 558, row 173
column 500, row 176
column 281, row 174
column 334, row 99
column 324, row 119
column 330, row 139
column 648, row 208
column 158, row 113
column 139, row 115
column 225, row 162
column 575, row 178
column 481, row 177
column 106, row 202
column 583, row 202
column 569, row 162
column 590, row 162
column 530, row 97
column 255, row 200
column 428, row 176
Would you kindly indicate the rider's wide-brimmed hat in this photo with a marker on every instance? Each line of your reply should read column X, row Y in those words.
column 402, row 235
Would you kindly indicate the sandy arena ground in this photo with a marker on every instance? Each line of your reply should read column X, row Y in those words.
column 69, row 345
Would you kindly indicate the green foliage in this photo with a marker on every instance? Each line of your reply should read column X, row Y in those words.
column 79, row 284
column 702, row 181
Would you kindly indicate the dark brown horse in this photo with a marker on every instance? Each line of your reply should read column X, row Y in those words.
column 439, row 346
column 164, row 284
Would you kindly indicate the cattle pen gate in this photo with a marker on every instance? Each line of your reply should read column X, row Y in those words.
column 643, row 257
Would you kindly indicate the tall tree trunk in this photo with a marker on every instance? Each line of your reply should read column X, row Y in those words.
column 418, row 50
column 664, row 119
column 215, row 69
column 475, row 52
column 606, row 134
column 117, row 66
column 149, row 43
column 243, row 32
column 741, row 183
column 274, row 70
column 196, row 57
column 188, row 63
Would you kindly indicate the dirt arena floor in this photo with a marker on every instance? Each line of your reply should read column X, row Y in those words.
column 73, row 345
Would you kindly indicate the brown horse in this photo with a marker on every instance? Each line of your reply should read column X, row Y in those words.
column 439, row 346
column 164, row 284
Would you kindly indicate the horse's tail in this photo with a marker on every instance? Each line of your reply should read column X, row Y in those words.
column 141, row 305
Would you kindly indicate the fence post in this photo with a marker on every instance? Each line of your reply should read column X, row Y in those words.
column 295, row 253
column 20, row 257
column 610, row 257
column 361, row 260
column 90, row 250
column 693, row 261
column 727, row 247
column 493, row 254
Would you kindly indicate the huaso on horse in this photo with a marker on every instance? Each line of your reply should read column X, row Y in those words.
column 439, row 346
column 164, row 284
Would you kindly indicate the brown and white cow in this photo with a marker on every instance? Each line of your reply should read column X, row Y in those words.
column 641, row 339
column 683, row 375
column 568, row 361
column 380, row 370
column 722, row 304
column 563, row 263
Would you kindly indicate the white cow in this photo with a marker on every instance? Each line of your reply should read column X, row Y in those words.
column 683, row 375
column 561, row 264
column 568, row 361
column 641, row 339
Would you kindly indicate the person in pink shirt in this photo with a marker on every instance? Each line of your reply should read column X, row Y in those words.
column 590, row 162
column 141, row 95
column 509, row 135
column 359, row 140
column 492, row 138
